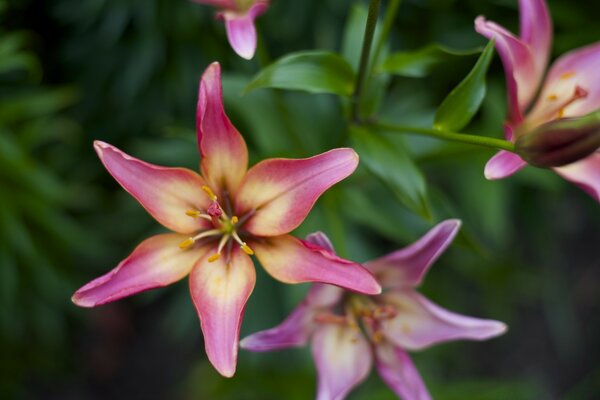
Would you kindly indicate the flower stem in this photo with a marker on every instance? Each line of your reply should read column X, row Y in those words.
column 364, row 58
column 483, row 141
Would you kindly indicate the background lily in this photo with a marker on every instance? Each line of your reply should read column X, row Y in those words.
column 571, row 90
column 349, row 331
column 239, row 16
column 221, row 217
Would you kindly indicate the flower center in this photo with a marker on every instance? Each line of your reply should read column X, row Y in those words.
column 557, row 109
column 223, row 227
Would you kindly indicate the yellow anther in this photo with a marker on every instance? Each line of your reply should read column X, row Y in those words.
column 234, row 220
column 561, row 113
column 552, row 97
column 377, row 337
column 214, row 257
column 210, row 193
column 193, row 213
column 567, row 75
column 247, row 249
column 186, row 243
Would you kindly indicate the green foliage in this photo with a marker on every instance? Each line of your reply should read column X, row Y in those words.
column 457, row 110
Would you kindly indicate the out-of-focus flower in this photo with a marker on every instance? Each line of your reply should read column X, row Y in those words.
column 219, row 219
column 349, row 331
column 239, row 16
column 570, row 90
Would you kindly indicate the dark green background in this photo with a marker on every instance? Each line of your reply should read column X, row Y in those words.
column 126, row 71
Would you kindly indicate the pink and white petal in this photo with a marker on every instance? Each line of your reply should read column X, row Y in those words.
column 503, row 164
column 294, row 331
column 291, row 260
column 223, row 149
column 220, row 291
column 397, row 370
column 585, row 174
column 166, row 193
column 343, row 359
column 157, row 261
column 421, row 323
column 536, row 30
column 324, row 295
column 522, row 76
column 241, row 32
column 281, row 192
column 408, row 266
column 575, row 69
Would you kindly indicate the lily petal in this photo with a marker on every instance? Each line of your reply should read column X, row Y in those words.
column 522, row 76
column 320, row 239
column 343, row 359
column 166, row 193
column 220, row 291
column 407, row 267
column 292, row 260
column 294, row 331
column 536, row 30
column 398, row 371
column 585, row 174
column 323, row 295
column 241, row 31
column 224, row 153
column 421, row 323
column 157, row 261
column 281, row 192
column 503, row 165
column 573, row 70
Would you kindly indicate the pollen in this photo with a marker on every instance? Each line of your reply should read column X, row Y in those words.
column 552, row 97
column 567, row 75
column 210, row 193
column 214, row 257
column 247, row 249
column 193, row 213
column 186, row 243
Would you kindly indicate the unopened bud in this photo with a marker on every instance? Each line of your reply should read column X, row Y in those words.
column 560, row 142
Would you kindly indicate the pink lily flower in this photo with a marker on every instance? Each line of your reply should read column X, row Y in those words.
column 571, row 89
column 349, row 331
column 239, row 16
column 219, row 219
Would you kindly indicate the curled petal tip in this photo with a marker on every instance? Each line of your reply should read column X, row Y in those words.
column 81, row 301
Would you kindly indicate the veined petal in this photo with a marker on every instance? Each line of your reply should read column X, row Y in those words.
column 343, row 359
column 241, row 32
column 408, row 266
column 166, row 193
column 224, row 153
column 421, row 323
column 294, row 331
column 536, row 30
column 292, row 260
column 281, row 192
column 522, row 76
column 502, row 165
column 157, row 261
column 573, row 70
column 398, row 371
column 220, row 290
column 585, row 174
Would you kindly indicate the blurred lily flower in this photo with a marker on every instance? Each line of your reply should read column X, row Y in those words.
column 349, row 331
column 571, row 90
column 239, row 16
column 219, row 219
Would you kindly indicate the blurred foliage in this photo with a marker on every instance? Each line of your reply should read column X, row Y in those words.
column 127, row 71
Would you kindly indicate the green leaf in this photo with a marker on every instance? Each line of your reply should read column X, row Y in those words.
column 387, row 160
column 457, row 110
column 311, row 71
column 419, row 63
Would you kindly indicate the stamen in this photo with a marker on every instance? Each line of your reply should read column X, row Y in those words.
column 187, row 243
column 222, row 243
column 214, row 257
column 552, row 97
column 579, row 93
column 191, row 240
column 210, row 193
column 197, row 214
column 247, row 249
column 242, row 244
column 234, row 220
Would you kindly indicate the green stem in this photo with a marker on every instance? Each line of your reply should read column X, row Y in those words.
column 364, row 58
column 483, row 141
column 388, row 22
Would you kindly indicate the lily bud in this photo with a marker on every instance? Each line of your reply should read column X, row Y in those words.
column 560, row 142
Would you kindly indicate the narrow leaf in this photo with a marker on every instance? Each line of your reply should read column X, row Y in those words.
column 311, row 71
column 457, row 110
